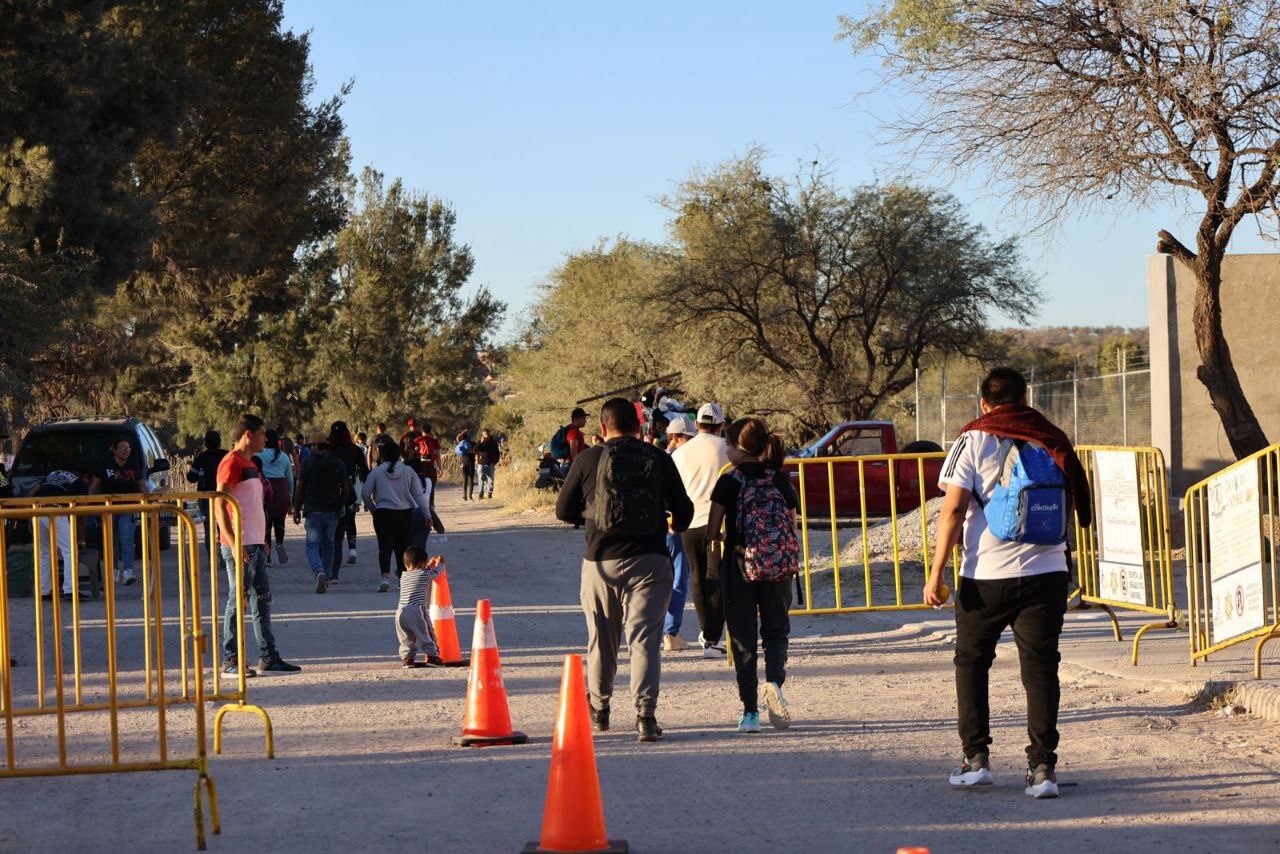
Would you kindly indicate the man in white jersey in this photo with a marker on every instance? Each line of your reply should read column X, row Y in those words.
column 1004, row 583
column 699, row 462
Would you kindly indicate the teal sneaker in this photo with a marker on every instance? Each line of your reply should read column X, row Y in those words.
column 749, row 722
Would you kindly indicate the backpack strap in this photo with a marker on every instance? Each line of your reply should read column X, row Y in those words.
column 1008, row 447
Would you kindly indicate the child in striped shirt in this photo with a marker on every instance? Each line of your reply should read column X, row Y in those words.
column 413, row 627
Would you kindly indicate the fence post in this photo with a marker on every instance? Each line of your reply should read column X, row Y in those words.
column 942, row 395
column 917, row 404
column 1075, row 408
column 1124, row 394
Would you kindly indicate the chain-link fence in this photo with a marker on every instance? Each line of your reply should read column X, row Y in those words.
column 1110, row 409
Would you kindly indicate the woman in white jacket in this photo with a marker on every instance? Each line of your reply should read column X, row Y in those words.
column 395, row 492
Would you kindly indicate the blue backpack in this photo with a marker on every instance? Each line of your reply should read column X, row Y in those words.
column 1031, row 502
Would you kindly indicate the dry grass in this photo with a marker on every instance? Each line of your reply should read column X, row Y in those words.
column 514, row 491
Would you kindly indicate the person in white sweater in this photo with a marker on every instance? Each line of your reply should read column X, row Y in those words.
column 395, row 492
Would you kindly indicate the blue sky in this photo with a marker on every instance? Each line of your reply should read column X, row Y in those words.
column 549, row 126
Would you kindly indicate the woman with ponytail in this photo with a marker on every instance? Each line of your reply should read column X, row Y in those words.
column 760, row 559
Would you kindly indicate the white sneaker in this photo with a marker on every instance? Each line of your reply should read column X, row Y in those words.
column 351, row 555
column 777, row 706
column 1042, row 782
column 128, row 577
column 974, row 771
column 117, row 577
column 710, row 650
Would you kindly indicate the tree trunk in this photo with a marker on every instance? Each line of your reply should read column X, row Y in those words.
column 1217, row 372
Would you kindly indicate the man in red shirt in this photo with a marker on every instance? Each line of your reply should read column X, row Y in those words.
column 241, row 479
column 577, row 442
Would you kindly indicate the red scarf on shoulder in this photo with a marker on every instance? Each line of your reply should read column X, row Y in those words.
column 1018, row 421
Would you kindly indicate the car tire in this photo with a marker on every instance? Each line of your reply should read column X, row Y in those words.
column 921, row 446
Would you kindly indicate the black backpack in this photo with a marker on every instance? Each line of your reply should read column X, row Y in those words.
column 328, row 479
column 628, row 495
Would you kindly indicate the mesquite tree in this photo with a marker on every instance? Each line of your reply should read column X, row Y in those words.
column 1078, row 101
column 832, row 297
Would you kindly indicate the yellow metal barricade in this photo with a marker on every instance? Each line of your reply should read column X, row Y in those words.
column 1232, row 564
column 1134, row 572
column 234, row 696
column 873, row 498
column 78, row 750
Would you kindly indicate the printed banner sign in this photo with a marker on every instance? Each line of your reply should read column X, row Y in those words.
column 1235, row 554
column 1123, row 582
column 1118, row 514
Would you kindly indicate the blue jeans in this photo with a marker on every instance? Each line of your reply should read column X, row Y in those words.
column 679, row 586
column 259, row 589
column 322, row 529
column 486, row 479
column 124, row 523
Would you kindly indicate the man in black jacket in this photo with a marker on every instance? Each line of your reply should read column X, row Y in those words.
column 204, row 473
column 323, row 496
column 624, row 490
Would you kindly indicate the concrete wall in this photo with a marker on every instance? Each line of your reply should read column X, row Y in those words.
column 1183, row 422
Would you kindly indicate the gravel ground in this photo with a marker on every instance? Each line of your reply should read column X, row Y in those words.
column 364, row 763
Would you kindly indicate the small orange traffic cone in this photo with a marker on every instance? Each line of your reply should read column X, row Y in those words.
column 913, row 850
column 488, row 720
column 573, row 819
column 443, row 622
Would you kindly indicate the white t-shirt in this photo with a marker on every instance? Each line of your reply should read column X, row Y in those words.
column 973, row 463
column 699, row 461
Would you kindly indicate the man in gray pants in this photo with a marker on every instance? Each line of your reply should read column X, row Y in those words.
column 623, row 491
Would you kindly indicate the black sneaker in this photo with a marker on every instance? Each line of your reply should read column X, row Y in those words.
column 229, row 669
column 599, row 719
column 409, row 664
column 277, row 665
column 647, row 728
column 1042, row 782
column 435, row 661
column 322, row 583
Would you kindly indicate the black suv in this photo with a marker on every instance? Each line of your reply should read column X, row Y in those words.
column 82, row 445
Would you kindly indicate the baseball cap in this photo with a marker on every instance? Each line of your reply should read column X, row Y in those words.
column 681, row 426
column 710, row 413
column 579, row 412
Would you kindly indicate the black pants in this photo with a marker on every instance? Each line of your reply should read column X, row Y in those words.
column 277, row 527
column 392, row 528
column 468, row 479
column 749, row 605
column 704, row 584
column 1034, row 605
column 346, row 528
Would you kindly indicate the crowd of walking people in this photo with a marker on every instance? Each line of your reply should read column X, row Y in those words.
column 672, row 508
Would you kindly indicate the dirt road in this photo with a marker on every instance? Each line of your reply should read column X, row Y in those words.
column 364, row 762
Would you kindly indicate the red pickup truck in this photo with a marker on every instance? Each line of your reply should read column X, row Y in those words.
column 838, row 453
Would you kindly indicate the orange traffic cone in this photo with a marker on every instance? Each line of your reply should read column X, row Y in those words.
column 442, row 621
column 574, row 816
column 913, row 851
column 487, row 721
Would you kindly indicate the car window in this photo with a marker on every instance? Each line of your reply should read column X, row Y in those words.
column 82, row 451
column 856, row 443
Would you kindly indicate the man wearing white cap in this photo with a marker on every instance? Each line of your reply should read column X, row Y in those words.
column 679, row 431
column 699, row 462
